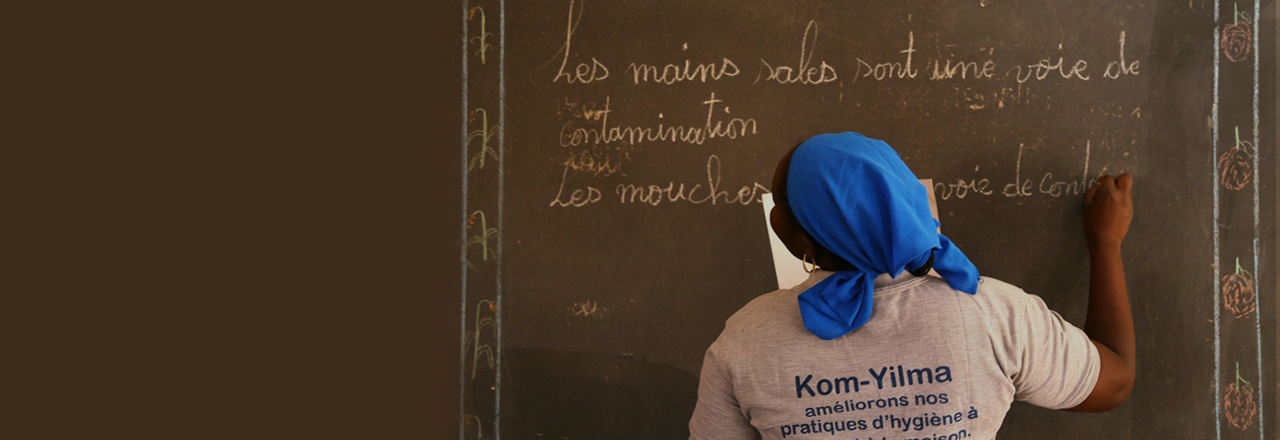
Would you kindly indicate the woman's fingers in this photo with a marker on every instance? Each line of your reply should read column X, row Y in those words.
column 1108, row 181
column 1124, row 182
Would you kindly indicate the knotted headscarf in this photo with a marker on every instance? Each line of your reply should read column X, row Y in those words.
column 856, row 198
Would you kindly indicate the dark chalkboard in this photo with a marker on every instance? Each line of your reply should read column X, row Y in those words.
column 615, row 154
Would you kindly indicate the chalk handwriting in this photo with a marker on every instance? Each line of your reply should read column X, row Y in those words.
column 673, row 73
column 962, row 188
column 1072, row 187
column 1021, row 187
column 1041, row 69
column 803, row 73
column 1117, row 68
column 885, row 70
column 963, row 69
column 572, row 136
column 596, row 163
column 584, row 73
column 578, row 197
column 695, row 194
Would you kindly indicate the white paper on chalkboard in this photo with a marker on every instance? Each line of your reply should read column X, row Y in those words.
column 787, row 267
column 933, row 202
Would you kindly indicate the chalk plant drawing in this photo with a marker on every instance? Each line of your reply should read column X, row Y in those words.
column 1236, row 164
column 473, row 420
column 473, row 337
column 481, row 238
column 1238, row 293
column 484, row 133
column 1237, row 38
column 1238, row 404
column 480, row 39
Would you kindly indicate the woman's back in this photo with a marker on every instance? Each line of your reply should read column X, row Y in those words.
column 854, row 354
column 932, row 362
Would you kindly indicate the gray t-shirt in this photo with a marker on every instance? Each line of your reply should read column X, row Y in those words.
column 932, row 363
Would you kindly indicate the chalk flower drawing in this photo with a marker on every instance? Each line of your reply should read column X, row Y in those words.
column 481, row 238
column 479, row 40
column 1238, row 293
column 1236, row 165
column 473, row 338
column 1237, row 38
column 1238, row 403
column 484, row 133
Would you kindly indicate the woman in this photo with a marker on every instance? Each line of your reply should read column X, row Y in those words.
column 873, row 344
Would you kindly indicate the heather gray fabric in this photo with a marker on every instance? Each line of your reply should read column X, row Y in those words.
column 932, row 362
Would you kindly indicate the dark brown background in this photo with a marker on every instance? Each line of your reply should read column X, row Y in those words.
column 225, row 221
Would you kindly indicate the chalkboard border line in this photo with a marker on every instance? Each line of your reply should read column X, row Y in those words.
column 502, row 128
column 462, row 331
column 1257, row 179
column 1217, row 342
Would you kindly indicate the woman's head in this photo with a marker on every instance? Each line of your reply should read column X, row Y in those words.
column 844, row 200
column 797, row 241
column 852, row 203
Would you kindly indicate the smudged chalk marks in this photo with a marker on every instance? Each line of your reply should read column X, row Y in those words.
column 480, row 39
column 1238, row 292
column 474, row 338
column 482, row 237
column 1238, row 403
column 1236, row 165
column 484, row 133
column 1237, row 38
column 588, row 309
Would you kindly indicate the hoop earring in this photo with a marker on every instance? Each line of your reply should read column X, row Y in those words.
column 804, row 262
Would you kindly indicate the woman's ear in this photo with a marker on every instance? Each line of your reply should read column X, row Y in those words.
column 791, row 235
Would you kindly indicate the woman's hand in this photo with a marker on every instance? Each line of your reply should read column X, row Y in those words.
column 1108, row 209
column 1109, row 323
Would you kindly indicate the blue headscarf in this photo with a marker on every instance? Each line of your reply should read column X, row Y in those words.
column 855, row 197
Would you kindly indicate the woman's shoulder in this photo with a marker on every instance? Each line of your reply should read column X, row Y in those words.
column 768, row 308
column 997, row 287
column 998, row 298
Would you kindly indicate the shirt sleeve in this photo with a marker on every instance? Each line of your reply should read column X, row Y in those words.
column 717, row 414
column 1056, row 363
